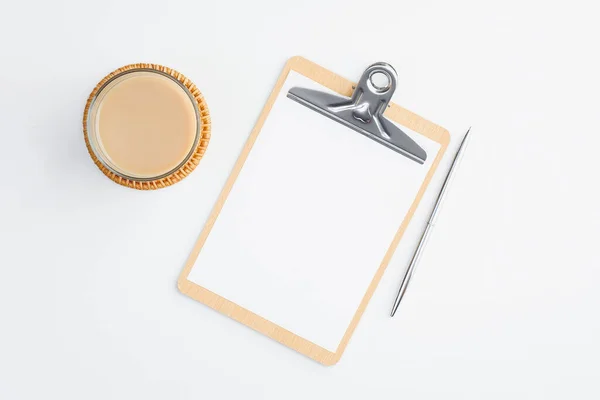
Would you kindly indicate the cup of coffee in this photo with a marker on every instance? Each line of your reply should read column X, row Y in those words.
column 146, row 126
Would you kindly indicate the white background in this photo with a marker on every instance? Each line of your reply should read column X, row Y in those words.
column 505, row 302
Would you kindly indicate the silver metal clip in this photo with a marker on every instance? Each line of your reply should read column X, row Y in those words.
column 363, row 112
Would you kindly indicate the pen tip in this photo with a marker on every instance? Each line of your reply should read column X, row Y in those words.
column 465, row 139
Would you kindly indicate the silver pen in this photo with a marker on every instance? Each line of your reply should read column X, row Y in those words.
column 430, row 223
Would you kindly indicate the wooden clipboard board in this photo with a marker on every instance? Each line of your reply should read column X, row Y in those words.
column 286, row 337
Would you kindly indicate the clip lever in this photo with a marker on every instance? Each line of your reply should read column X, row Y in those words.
column 363, row 112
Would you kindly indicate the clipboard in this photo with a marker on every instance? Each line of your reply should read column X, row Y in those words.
column 312, row 213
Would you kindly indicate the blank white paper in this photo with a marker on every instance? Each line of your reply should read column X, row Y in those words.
column 309, row 220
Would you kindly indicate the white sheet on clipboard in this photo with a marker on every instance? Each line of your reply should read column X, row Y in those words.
column 309, row 220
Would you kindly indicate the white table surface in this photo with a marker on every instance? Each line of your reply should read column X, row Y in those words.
column 505, row 301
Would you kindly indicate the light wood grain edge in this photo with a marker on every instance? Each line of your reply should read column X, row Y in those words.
column 256, row 322
column 223, row 305
column 218, row 303
column 184, row 170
